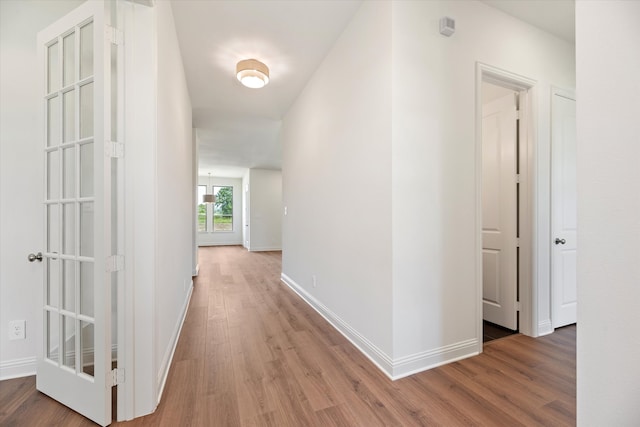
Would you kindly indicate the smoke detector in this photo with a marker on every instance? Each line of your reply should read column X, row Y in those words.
column 447, row 26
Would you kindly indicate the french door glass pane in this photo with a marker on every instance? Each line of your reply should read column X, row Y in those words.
column 53, row 282
column 86, row 170
column 53, row 175
column 69, row 175
column 53, row 68
column 86, row 347
column 69, row 285
column 73, row 191
column 53, row 228
column 86, row 288
column 53, row 335
column 86, row 229
column 69, row 119
column 69, row 342
column 69, row 232
column 69, row 55
column 86, row 110
column 53, row 121
column 86, row 51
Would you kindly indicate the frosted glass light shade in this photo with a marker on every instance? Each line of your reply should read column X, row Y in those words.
column 252, row 73
column 208, row 198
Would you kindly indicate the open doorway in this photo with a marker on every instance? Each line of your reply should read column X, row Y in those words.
column 503, row 165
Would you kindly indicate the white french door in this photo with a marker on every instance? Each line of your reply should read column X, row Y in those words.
column 499, row 212
column 563, row 207
column 74, row 357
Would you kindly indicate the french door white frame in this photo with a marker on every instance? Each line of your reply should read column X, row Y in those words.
column 528, row 302
column 86, row 391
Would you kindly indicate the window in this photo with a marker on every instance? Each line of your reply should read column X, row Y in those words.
column 217, row 216
column 223, row 209
column 202, row 209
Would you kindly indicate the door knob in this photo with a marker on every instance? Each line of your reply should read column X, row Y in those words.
column 33, row 257
column 560, row 241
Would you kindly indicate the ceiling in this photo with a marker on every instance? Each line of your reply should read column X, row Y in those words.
column 238, row 127
column 554, row 16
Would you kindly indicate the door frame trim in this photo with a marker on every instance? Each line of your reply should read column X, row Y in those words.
column 527, row 272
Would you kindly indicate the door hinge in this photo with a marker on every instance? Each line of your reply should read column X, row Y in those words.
column 518, row 115
column 114, row 263
column 517, row 305
column 517, row 242
column 115, row 377
column 114, row 35
column 517, row 178
column 113, row 149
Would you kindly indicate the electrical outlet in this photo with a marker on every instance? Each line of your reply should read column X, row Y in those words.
column 314, row 281
column 17, row 330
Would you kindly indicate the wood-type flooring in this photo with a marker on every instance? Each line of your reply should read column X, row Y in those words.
column 252, row 353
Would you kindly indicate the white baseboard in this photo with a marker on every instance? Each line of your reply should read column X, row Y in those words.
column 545, row 328
column 366, row 347
column 220, row 244
column 163, row 372
column 265, row 249
column 418, row 362
column 394, row 368
column 18, row 368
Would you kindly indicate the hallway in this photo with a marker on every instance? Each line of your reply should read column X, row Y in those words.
column 252, row 353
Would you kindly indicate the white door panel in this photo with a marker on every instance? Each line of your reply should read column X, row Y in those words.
column 499, row 212
column 563, row 205
column 74, row 357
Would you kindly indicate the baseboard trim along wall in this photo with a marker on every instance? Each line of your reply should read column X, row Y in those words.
column 238, row 243
column 265, row 249
column 26, row 367
column 545, row 328
column 394, row 368
column 18, row 368
column 412, row 364
column 366, row 347
column 163, row 373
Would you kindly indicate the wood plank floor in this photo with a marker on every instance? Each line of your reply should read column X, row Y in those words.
column 252, row 353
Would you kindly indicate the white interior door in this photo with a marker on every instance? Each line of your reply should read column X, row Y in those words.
column 74, row 357
column 563, row 205
column 499, row 212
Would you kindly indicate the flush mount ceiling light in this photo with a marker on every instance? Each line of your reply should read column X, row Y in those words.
column 252, row 73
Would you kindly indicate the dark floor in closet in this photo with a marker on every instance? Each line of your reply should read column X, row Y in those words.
column 491, row 331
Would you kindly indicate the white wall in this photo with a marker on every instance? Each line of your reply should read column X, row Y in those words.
column 608, row 345
column 21, row 175
column 194, row 233
column 140, row 207
column 209, row 238
column 265, row 194
column 174, row 207
column 337, row 184
column 434, row 187
column 404, row 132
column 159, row 198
